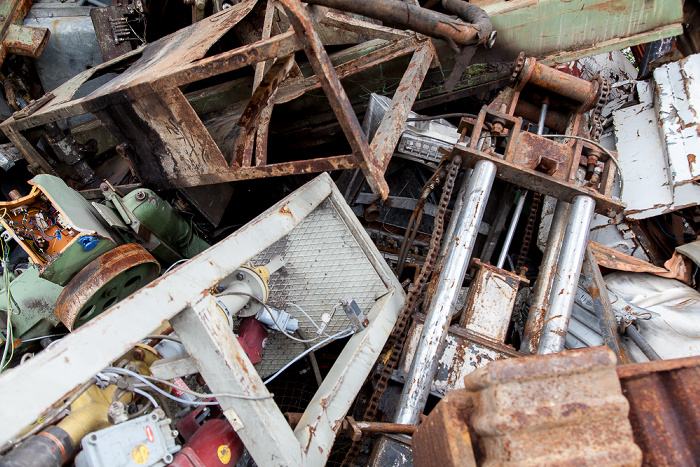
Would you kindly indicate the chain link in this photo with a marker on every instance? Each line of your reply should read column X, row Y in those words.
column 395, row 342
column 596, row 116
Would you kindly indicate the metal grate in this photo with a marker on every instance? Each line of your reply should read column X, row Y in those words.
column 324, row 262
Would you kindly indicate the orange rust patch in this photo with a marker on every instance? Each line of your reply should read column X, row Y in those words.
column 285, row 210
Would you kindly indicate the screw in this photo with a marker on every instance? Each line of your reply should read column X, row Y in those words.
column 240, row 276
column 140, row 195
column 139, row 354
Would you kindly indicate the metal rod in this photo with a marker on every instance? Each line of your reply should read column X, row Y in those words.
column 511, row 228
column 540, row 294
column 521, row 200
column 566, row 278
column 425, row 361
column 602, row 307
column 642, row 343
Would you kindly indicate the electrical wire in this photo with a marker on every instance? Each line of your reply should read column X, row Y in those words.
column 340, row 335
column 147, row 380
column 9, row 338
column 671, row 236
column 163, row 337
column 179, row 261
column 147, row 396
column 280, row 328
column 600, row 146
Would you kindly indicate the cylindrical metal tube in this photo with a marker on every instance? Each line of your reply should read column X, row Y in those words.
column 563, row 291
column 642, row 343
column 561, row 83
column 425, row 361
column 511, row 228
column 540, row 294
column 554, row 120
column 408, row 16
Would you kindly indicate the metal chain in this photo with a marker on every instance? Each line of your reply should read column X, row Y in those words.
column 596, row 116
column 529, row 228
column 396, row 340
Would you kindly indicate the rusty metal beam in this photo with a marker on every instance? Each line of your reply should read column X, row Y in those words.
column 602, row 307
column 306, row 33
column 394, row 119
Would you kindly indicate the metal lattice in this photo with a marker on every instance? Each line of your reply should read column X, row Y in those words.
column 324, row 263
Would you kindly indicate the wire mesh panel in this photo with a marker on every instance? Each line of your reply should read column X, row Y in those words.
column 324, row 263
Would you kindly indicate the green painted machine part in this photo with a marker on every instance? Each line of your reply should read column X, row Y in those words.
column 75, row 214
column 96, row 262
column 33, row 304
column 159, row 217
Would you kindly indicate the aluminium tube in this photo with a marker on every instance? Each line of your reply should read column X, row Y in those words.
column 511, row 229
column 563, row 292
column 540, row 293
column 425, row 362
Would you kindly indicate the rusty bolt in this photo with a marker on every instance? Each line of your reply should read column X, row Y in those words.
column 497, row 129
column 240, row 276
column 139, row 354
column 365, row 323
column 140, row 195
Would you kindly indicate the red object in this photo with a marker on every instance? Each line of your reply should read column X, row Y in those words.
column 251, row 336
column 215, row 444
column 190, row 423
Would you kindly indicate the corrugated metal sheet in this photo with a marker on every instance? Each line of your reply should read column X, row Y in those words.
column 664, row 401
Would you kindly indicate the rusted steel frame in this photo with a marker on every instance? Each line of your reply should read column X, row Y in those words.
column 322, row 164
column 292, row 89
column 394, row 119
column 540, row 182
column 602, row 307
column 262, row 97
column 350, row 424
column 359, row 26
column 321, row 63
column 408, row 16
column 264, row 123
column 25, row 40
column 564, row 84
column 663, row 398
column 250, row 54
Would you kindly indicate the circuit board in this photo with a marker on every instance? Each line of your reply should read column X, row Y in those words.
column 37, row 225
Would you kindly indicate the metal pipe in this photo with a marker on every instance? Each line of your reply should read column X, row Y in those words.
column 563, row 292
column 429, row 22
column 425, row 362
column 511, row 228
column 642, row 343
column 558, row 82
column 521, row 200
column 540, row 294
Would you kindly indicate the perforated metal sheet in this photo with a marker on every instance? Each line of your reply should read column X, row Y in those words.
column 324, row 262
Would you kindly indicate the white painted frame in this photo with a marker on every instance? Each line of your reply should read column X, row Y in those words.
column 182, row 297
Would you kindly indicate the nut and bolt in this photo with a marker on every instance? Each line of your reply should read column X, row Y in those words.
column 240, row 276
column 139, row 354
column 140, row 195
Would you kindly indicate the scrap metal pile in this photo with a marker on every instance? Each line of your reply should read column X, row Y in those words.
column 349, row 232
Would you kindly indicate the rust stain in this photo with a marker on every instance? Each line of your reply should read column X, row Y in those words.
column 691, row 161
column 285, row 210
